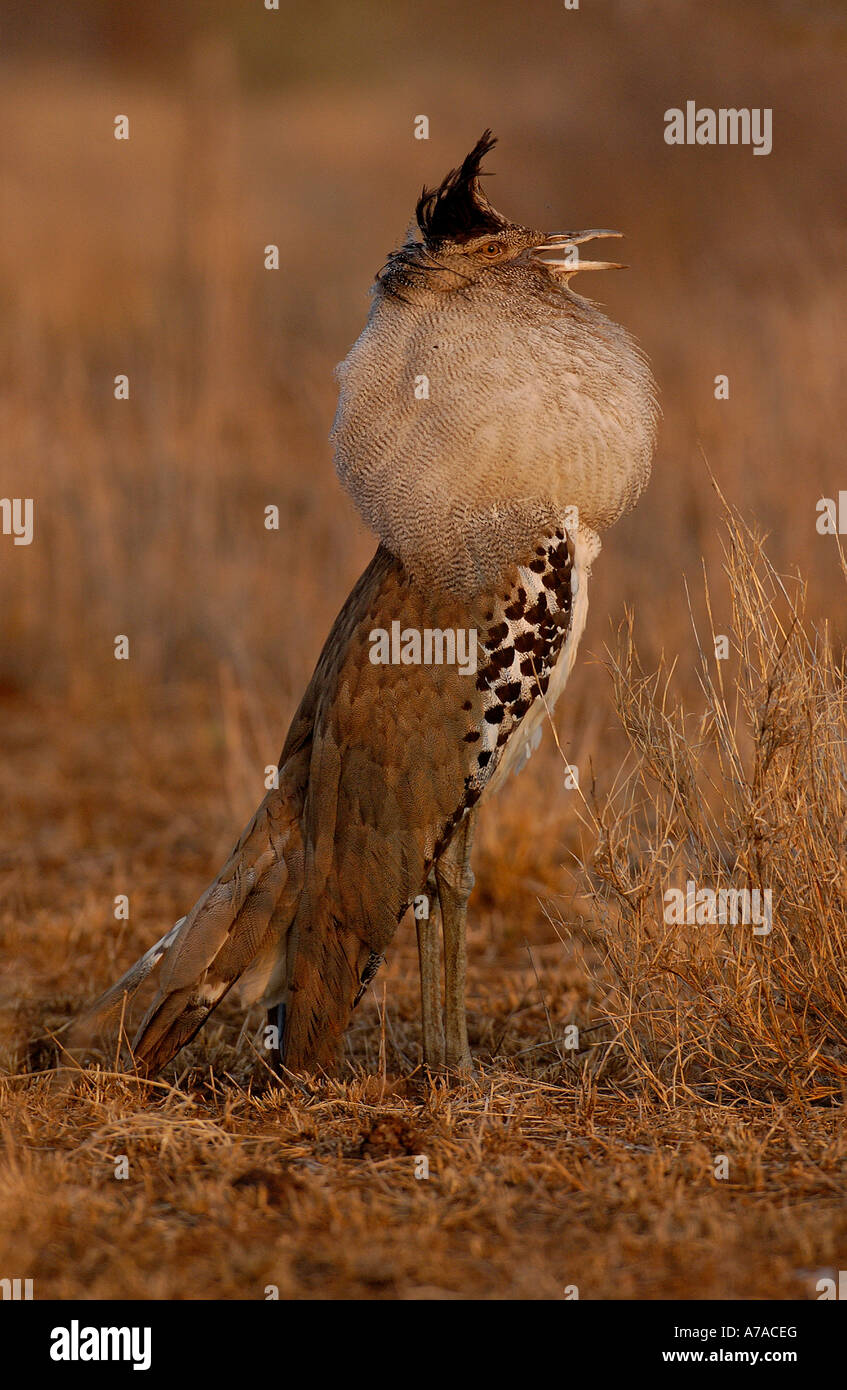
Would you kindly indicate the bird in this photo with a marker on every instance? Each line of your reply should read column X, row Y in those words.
column 491, row 424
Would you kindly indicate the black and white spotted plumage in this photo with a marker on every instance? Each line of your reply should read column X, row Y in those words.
column 520, row 644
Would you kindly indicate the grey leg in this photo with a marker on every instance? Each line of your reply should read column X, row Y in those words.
column 429, row 960
column 455, row 881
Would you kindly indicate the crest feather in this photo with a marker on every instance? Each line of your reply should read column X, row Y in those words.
column 458, row 208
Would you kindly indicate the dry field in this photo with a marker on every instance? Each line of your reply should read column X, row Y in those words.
column 597, row 1167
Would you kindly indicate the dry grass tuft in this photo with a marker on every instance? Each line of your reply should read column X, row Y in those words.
column 750, row 794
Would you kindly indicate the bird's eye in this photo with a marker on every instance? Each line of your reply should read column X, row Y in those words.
column 493, row 248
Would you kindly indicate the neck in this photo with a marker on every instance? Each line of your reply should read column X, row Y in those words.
column 413, row 275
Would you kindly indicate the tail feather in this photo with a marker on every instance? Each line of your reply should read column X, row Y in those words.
column 168, row 1026
column 186, row 996
column 244, row 914
column 107, row 1009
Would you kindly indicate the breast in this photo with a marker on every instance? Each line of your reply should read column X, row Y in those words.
column 460, row 446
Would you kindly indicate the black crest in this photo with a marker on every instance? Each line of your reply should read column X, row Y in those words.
column 458, row 208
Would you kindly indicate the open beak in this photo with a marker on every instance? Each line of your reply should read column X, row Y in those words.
column 571, row 263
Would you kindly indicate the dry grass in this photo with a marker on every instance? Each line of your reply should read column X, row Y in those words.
column 750, row 794
column 531, row 1188
column 553, row 1167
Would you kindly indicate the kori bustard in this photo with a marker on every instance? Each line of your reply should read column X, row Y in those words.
column 490, row 424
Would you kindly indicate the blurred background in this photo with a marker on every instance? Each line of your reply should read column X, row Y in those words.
column 145, row 257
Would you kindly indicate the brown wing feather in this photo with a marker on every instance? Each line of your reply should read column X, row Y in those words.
column 395, row 764
column 380, row 764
